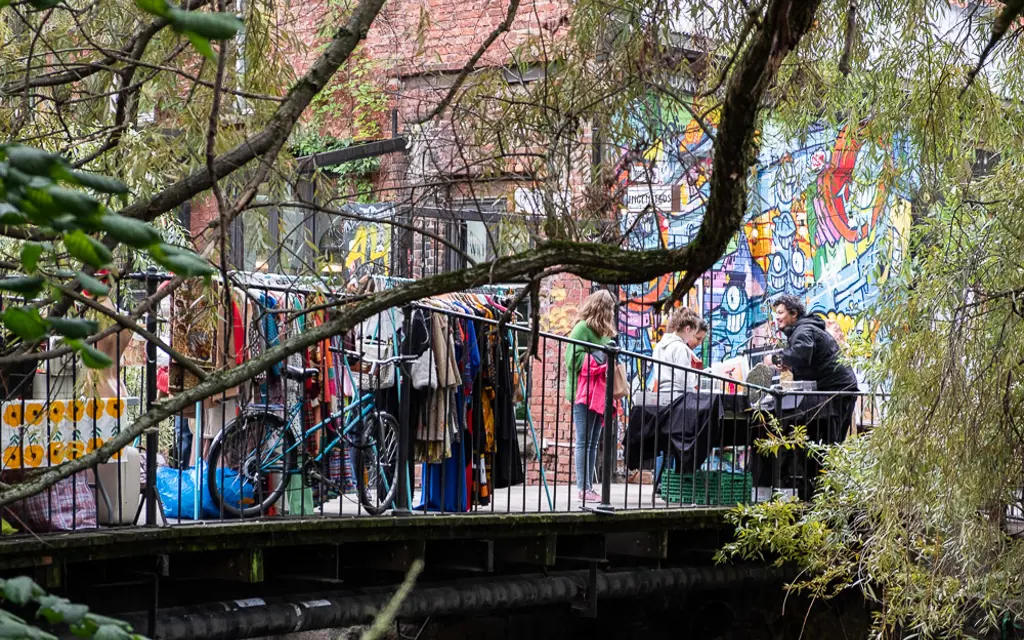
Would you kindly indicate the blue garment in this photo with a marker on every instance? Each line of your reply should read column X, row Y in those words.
column 270, row 330
column 473, row 359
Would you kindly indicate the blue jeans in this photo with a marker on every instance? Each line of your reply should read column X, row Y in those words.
column 588, row 435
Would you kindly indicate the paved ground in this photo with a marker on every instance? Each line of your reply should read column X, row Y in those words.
column 534, row 499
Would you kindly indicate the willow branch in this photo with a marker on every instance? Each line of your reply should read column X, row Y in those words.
column 280, row 126
column 138, row 42
column 784, row 24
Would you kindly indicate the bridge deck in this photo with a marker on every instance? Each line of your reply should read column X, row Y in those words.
column 532, row 499
column 342, row 522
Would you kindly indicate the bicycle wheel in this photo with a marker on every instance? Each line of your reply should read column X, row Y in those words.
column 377, row 463
column 250, row 463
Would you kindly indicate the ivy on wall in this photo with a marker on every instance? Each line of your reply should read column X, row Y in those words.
column 353, row 177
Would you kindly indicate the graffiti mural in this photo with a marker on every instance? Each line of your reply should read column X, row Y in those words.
column 827, row 218
column 360, row 246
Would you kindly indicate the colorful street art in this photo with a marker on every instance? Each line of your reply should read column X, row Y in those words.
column 359, row 245
column 825, row 222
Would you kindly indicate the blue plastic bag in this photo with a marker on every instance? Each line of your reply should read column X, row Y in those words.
column 178, row 494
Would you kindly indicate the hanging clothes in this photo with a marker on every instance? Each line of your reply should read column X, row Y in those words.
column 436, row 434
column 508, row 465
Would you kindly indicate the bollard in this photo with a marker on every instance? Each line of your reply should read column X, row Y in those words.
column 608, row 455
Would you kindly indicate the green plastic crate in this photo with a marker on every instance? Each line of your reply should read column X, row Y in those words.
column 706, row 487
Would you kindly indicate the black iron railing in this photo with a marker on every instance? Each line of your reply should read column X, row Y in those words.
column 432, row 408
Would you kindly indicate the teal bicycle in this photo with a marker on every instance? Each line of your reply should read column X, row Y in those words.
column 252, row 460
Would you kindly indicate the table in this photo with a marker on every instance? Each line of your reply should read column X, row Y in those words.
column 689, row 426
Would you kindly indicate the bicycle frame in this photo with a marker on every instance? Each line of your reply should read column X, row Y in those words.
column 368, row 406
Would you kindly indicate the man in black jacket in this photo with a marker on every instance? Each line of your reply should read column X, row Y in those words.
column 812, row 354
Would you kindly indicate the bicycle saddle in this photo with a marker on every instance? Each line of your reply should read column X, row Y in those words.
column 299, row 374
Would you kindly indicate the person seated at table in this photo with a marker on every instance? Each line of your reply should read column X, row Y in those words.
column 685, row 331
column 812, row 354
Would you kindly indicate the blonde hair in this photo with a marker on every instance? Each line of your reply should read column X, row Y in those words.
column 598, row 311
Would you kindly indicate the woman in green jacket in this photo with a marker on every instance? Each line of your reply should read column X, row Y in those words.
column 596, row 325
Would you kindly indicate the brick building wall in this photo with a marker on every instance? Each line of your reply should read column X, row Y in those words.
column 416, row 47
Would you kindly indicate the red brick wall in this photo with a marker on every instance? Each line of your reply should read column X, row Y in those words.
column 418, row 36
column 561, row 297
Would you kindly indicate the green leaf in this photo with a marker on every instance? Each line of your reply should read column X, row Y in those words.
column 27, row 325
column 43, row 4
column 92, row 285
column 95, row 181
column 73, row 201
column 180, row 261
column 111, row 632
column 156, row 7
column 205, row 24
column 32, row 161
column 12, row 219
column 74, row 329
column 21, row 590
column 130, row 231
column 14, row 629
column 28, row 285
column 4, row 3
column 56, row 610
column 87, row 249
column 17, row 177
column 30, row 253
column 92, row 357
column 64, row 222
column 202, row 45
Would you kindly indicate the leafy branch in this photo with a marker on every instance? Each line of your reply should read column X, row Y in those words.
column 55, row 611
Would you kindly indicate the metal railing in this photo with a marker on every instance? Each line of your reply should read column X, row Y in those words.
column 489, row 431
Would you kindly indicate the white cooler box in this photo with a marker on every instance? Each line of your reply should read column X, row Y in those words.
column 118, row 489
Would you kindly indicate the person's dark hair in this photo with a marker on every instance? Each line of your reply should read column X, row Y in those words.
column 792, row 304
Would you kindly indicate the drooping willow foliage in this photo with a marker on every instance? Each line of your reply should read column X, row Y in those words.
column 918, row 514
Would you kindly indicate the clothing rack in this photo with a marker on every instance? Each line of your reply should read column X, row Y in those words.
column 524, row 387
column 388, row 282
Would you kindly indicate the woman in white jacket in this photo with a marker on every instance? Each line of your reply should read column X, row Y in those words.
column 685, row 331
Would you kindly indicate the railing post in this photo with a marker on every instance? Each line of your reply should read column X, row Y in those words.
column 152, row 435
column 777, row 458
column 609, row 432
column 404, row 410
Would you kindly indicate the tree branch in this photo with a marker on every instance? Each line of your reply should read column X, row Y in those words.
column 1010, row 12
column 280, row 126
column 851, row 35
column 785, row 22
column 138, row 42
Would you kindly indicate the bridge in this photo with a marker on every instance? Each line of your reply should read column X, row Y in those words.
column 491, row 506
